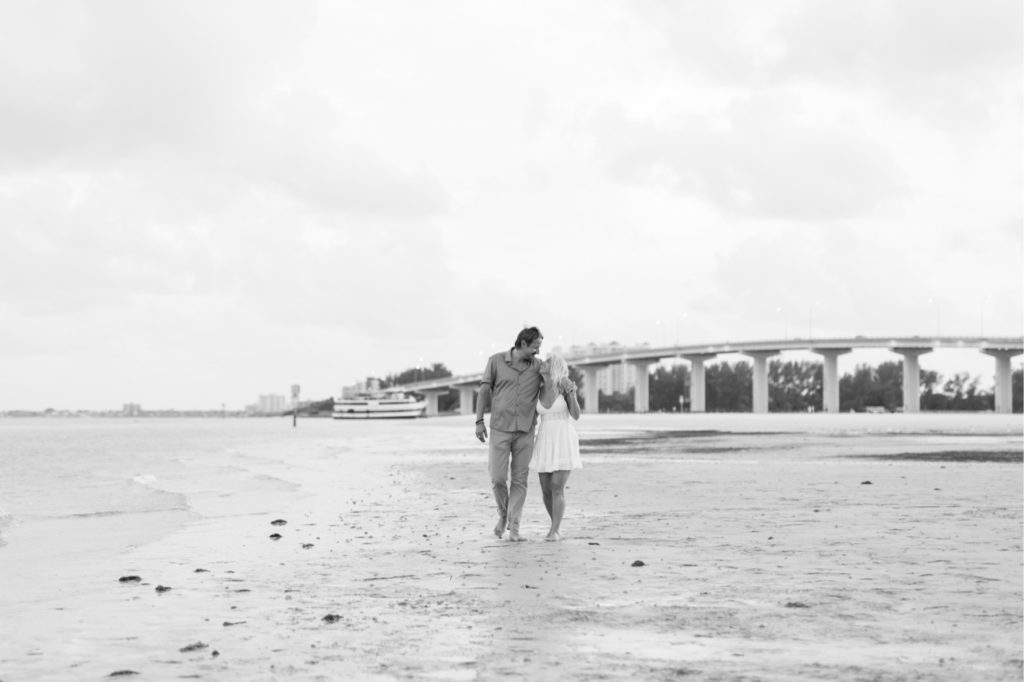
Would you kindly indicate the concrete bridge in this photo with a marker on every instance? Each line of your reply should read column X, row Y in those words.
column 592, row 358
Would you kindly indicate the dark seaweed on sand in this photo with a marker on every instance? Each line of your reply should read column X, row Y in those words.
column 193, row 647
column 654, row 441
column 997, row 456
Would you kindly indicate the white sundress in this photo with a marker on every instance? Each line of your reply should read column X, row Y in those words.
column 557, row 447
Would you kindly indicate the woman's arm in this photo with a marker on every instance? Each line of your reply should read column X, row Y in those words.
column 572, row 402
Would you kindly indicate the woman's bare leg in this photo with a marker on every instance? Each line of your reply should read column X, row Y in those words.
column 557, row 486
column 545, row 489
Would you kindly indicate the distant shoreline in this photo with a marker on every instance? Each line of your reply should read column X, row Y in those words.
column 172, row 414
column 238, row 414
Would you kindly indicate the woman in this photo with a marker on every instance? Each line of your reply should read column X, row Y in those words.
column 556, row 452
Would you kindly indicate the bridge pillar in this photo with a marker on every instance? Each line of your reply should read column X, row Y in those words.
column 590, row 389
column 759, row 390
column 698, row 384
column 466, row 399
column 911, row 377
column 642, row 391
column 830, row 377
column 1004, row 378
column 431, row 395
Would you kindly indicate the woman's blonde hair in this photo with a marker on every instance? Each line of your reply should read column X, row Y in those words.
column 558, row 368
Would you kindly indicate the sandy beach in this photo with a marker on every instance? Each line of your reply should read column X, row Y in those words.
column 705, row 547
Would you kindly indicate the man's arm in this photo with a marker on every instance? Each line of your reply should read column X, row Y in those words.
column 483, row 401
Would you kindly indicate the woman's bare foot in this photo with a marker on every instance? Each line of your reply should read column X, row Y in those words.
column 553, row 536
column 514, row 536
column 499, row 530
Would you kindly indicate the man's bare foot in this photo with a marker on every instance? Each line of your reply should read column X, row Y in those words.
column 499, row 530
column 553, row 536
column 514, row 536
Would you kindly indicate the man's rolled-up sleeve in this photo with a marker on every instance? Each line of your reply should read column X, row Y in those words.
column 490, row 374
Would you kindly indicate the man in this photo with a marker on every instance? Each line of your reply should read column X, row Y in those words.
column 510, row 387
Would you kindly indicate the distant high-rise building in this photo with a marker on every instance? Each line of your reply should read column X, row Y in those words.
column 371, row 385
column 617, row 378
column 270, row 403
column 131, row 410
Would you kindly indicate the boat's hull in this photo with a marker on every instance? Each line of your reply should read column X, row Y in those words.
column 378, row 409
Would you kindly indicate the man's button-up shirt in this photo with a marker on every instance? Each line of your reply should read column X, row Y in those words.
column 514, row 389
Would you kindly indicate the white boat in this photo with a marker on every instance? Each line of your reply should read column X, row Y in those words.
column 376, row 405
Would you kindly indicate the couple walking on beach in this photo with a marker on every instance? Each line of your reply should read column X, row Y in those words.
column 518, row 387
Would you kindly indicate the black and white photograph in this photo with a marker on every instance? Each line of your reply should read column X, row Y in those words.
column 473, row 340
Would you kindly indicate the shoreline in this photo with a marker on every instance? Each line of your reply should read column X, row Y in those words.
column 766, row 557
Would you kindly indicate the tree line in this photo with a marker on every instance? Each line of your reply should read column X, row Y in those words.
column 796, row 386
column 448, row 402
column 793, row 386
column 445, row 403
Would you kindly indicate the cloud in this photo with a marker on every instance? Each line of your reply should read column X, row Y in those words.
column 951, row 64
column 75, row 243
column 173, row 89
column 761, row 157
column 299, row 144
column 730, row 42
column 112, row 78
column 886, row 278
column 239, row 195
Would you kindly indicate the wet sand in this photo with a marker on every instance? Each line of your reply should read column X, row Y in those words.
column 772, row 548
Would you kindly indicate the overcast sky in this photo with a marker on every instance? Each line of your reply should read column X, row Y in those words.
column 204, row 201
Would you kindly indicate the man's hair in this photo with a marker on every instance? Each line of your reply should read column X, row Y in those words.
column 528, row 336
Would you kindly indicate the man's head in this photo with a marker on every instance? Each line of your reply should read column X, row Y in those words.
column 528, row 342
